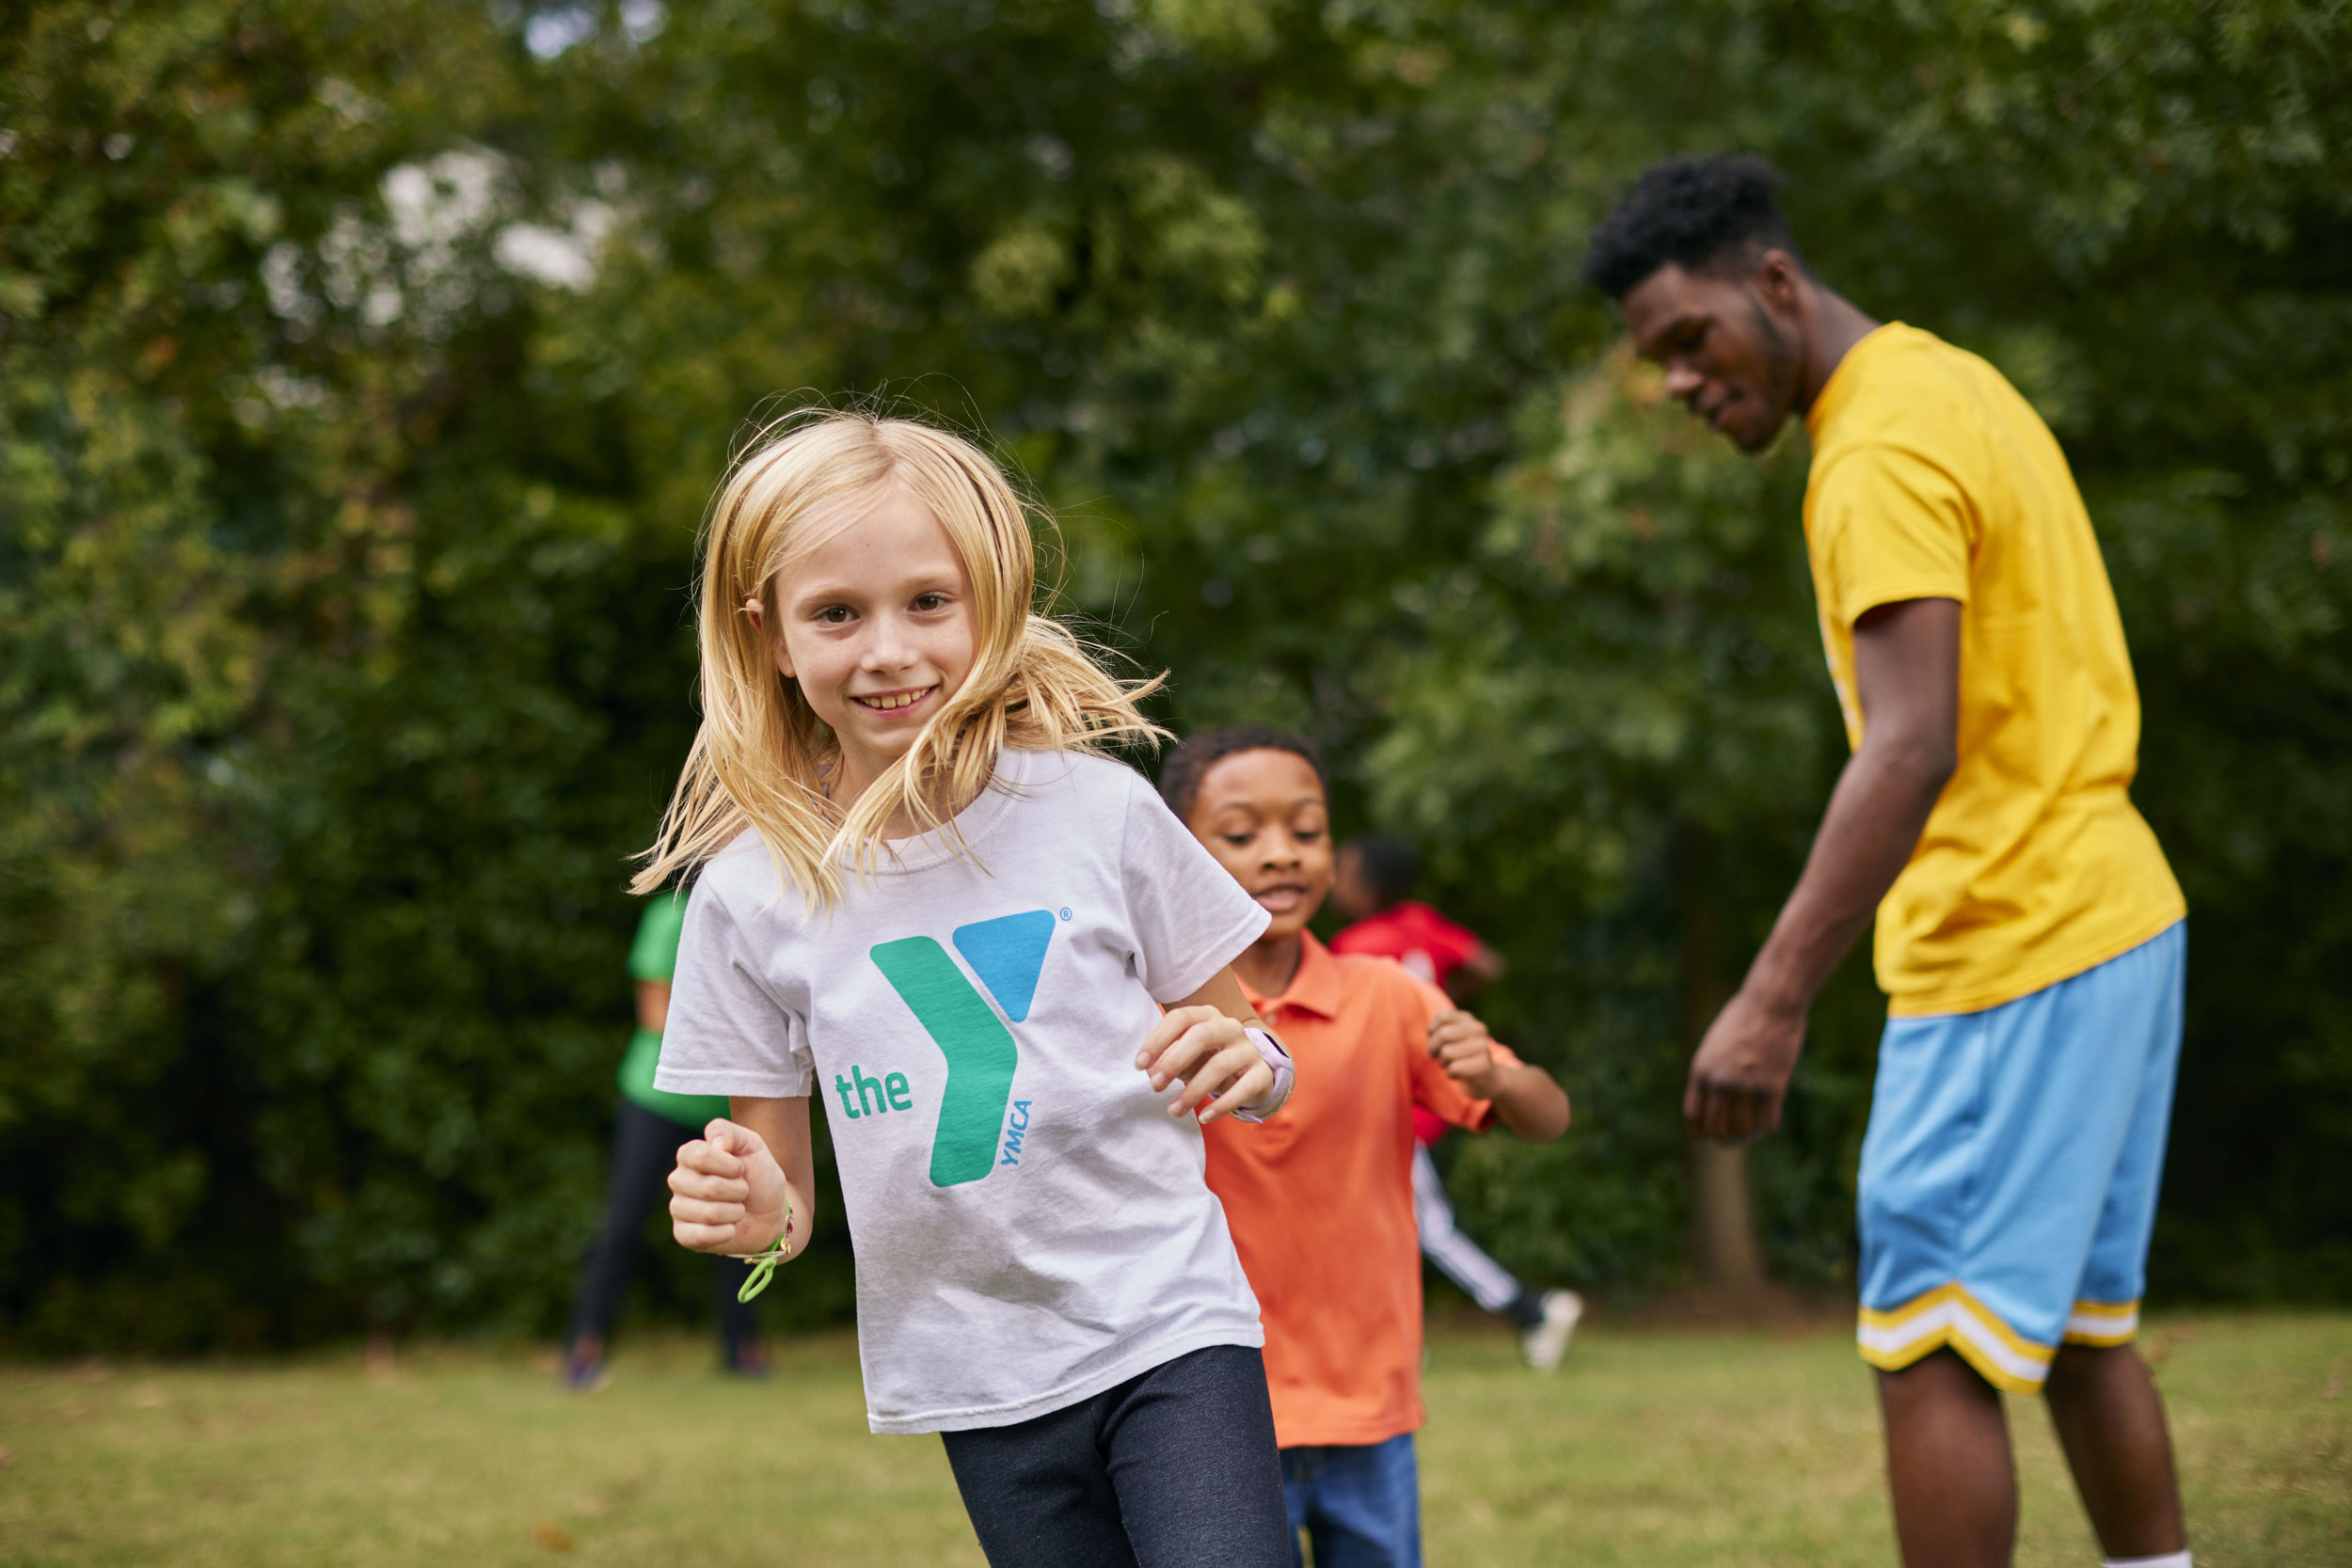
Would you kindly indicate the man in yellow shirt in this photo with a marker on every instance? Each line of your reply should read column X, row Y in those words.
column 2029, row 934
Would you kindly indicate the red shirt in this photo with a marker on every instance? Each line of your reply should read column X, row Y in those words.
column 1431, row 948
column 1320, row 1197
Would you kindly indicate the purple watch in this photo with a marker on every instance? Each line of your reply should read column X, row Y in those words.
column 1270, row 1050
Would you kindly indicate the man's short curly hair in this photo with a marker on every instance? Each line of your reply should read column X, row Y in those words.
column 1696, row 212
column 1189, row 762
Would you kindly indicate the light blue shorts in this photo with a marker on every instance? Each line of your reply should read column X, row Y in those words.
column 2009, row 1172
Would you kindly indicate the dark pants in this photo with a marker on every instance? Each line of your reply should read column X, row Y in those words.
column 644, row 1147
column 1172, row 1469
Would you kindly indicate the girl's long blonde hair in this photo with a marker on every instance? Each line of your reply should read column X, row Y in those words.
column 762, row 756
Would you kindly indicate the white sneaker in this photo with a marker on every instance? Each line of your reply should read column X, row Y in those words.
column 1547, row 1341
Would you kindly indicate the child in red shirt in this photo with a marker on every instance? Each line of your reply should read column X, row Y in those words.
column 1372, row 885
column 1320, row 1200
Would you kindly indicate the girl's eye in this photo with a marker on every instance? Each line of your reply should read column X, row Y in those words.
column 1239, row 841
column 834, row 614
column 929, row 601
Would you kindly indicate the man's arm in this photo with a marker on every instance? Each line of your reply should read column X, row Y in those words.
column 1907, row 677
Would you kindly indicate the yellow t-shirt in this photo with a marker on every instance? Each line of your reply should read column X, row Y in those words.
column 1932, row 478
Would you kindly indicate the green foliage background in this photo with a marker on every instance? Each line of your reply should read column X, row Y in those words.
column 346, row 511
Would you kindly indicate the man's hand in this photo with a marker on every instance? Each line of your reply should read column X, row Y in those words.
column 1206, row 1051
column 1462, row 1046
column 1740, row 1073
column 728, row 1193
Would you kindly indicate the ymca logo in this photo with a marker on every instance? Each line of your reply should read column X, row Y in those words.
column 1008, row 954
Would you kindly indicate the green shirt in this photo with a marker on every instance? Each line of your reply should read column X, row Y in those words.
column 654, row 957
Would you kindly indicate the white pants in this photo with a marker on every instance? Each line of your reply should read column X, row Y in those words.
column 1458, row 1257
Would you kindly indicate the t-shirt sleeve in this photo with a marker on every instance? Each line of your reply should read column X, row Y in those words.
column 1435, row 1089
column 654, row 954
column 1187, row 915
column 726, row 1034
column 1891, row 524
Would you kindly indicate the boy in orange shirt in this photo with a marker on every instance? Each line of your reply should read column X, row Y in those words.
column 1320, row 1201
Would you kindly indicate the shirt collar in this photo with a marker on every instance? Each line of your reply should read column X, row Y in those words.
column 1315, row 988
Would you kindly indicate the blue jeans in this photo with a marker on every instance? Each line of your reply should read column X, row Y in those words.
column 1360, row 1505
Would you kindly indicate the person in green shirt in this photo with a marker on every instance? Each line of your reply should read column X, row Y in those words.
column 645, row 1137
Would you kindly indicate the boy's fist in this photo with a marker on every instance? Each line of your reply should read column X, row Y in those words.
column 1461, row 1044
column 727, row 1193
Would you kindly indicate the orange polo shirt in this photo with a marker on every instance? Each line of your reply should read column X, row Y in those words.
column 1320, row 1197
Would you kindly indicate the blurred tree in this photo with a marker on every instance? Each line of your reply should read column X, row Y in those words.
column 196, row 498
column 1622, row 684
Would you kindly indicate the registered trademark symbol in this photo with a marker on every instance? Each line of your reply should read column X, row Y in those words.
column 1065, row 911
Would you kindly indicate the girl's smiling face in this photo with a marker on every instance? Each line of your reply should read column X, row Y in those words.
column 874, row 624
column 1263, row 814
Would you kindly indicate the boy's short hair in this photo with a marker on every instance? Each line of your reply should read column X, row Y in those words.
column 1389, row 865
column 1696, row 212
column 1190, row 762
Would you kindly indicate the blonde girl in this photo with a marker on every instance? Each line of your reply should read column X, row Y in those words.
column 926, row 898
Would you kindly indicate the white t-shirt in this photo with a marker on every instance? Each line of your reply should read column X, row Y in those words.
column 1031, row 1225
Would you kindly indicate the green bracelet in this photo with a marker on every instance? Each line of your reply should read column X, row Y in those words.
column 763, row 1264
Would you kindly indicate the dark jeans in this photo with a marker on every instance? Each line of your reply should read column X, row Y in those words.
column 644, row 1147
column 1172, row 1469
column 1361, row 1506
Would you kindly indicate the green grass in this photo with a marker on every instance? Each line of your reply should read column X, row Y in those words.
column 1648, row 1448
